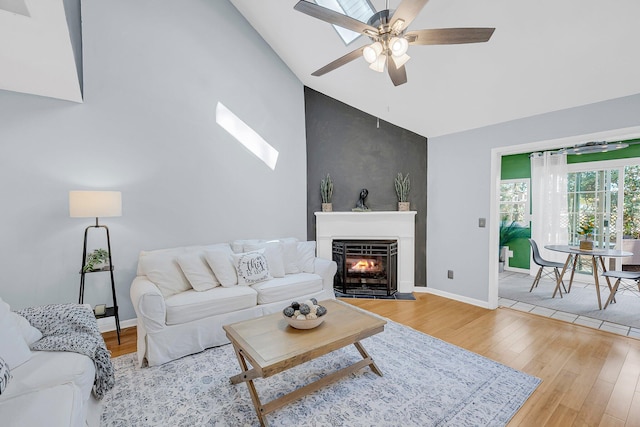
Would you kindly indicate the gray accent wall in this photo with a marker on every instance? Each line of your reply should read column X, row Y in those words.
column 348, row 144
column 459, row 184
column 153, row 74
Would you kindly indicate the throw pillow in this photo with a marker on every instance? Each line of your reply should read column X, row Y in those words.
column 13, row 348
column 273, row 253
column 306, row 256
column 198, row 272
column 222, row 266
column 28, row 332
column 161, row 267
column 252, row 267
column 5, row 375
column 290, row 255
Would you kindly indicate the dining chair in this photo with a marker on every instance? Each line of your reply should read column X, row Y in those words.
column 621, row 276
column 544, row 263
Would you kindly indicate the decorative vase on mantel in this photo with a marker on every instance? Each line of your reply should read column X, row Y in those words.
column 404, row 206
column 327, row 207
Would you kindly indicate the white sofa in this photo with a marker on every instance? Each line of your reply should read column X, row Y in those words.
column 44, row 388
column 183, row 296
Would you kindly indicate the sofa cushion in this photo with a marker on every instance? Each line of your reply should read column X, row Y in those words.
column 306, row 256
column 251, row 267
column 287, row 288
column 222, row 266
column 290, row 255
column 273, row 253
column 191, row 305
column 13, row 347
column 198, row 273
column 161, row 267
column 47, row 369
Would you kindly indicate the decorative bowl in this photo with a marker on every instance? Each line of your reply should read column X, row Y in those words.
column 304, row 324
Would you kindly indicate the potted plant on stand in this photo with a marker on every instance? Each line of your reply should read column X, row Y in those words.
column 97, row 260
column 403, row 185
column 326, row 192
column 508, row 233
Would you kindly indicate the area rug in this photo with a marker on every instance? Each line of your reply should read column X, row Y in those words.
column 426, row 382
column 581, row 301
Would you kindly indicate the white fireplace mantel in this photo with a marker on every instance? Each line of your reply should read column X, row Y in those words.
column 373, row 225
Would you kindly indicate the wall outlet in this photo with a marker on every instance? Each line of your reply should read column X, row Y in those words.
column 450, row 274
column 482, row 222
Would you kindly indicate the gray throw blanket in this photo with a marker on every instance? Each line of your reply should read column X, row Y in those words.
column 73, row 327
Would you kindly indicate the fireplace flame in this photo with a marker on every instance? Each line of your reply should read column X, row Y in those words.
column 364, row 265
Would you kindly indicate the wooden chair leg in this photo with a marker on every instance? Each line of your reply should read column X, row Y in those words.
column 613, row 293
column 557, row 275
column 536, row 280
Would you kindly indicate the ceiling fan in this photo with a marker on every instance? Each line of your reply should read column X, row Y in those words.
column 388, row 31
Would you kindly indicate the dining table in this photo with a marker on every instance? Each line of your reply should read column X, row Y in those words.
column 597, row 256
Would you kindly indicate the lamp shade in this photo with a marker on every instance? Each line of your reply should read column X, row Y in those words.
column 94, row 204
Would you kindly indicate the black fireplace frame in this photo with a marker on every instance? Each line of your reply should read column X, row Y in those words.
column 341, row 249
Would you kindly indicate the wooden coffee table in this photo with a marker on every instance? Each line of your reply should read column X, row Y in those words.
column 271, row 346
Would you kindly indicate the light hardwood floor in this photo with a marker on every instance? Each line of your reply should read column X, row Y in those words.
column 590, row 377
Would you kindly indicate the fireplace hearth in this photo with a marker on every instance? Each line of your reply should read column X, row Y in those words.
column 366, row 267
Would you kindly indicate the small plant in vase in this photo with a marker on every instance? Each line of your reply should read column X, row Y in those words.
column 586, row 229
column 403, row 185
column 326, row 192
column 96, row 260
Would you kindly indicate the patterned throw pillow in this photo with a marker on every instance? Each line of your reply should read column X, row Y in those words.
column 251, row 267
column 5, row 375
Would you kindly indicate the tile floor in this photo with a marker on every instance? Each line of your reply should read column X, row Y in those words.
column 564, row 316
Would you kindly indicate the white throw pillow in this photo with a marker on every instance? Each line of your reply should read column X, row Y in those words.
column 13, row 348
column 163, row 270
column 274, row 255
column 5, row 375
column 306, row 256
column 290, row 255
column 238, row 246
column 28, row 332
column 222, row 266
column 198, row 272
column 251, row 267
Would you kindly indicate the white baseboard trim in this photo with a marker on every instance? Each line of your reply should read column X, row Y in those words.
column 517, row 270
column 108, row 324
column 455, row 297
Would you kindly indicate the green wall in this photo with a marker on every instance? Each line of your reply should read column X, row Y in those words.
column 519, row 166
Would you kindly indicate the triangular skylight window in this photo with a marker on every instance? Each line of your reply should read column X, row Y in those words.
column 361, row 10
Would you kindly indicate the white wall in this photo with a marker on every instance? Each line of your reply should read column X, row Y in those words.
column 153, row 73
column 459, row 186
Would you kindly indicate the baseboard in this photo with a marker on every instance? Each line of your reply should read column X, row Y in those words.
column 517, row 270
column 455, row 297
column 108, row 324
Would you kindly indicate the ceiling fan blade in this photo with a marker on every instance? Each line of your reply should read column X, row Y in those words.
column 449, row 36
column 398, row 74
column 339, row 62
column 332, row 17
column 407, row 11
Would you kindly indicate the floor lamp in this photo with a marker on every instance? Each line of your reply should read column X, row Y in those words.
column 95, row 204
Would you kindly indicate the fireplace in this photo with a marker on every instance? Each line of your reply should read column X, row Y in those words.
column 366, row 267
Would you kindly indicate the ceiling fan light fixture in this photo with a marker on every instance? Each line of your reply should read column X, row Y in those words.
column 400, row 60
column 378, row 64
column 399, row 46
column 372, row 52
column 397, row 26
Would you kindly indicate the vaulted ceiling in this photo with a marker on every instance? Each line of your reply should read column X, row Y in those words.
column 545, row 55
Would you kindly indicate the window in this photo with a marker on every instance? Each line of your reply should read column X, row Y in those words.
column 514, row 201
column 361, row 10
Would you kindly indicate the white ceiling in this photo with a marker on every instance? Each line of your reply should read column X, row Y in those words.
column 36, row 55
column 545, row 55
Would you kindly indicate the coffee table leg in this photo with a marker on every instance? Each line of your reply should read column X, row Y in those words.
column 252, row 388
column 365, row 355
